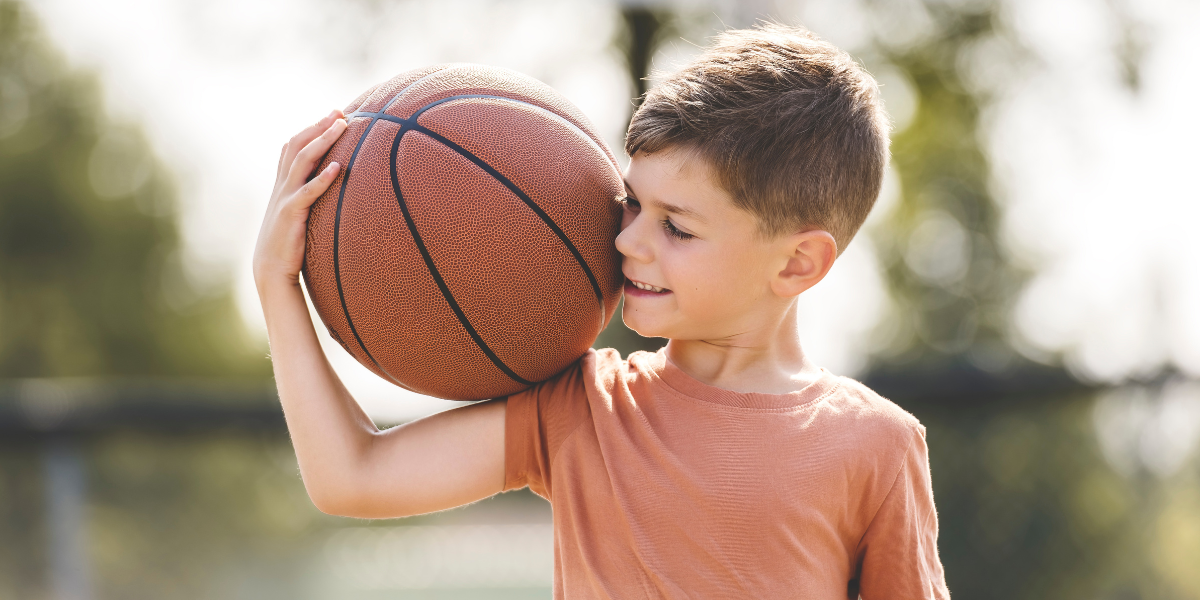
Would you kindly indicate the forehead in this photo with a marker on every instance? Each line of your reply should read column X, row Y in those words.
column 679, row 182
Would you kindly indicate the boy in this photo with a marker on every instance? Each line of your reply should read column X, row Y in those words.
column 726, row 465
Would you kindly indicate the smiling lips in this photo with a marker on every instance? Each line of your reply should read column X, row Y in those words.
column 645, row 287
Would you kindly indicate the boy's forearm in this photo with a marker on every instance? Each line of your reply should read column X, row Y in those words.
column 330, row 432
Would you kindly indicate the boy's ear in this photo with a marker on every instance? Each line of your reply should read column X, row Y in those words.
column 810, row 255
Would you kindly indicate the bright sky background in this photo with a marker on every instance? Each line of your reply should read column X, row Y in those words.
column 1097, row 182
column 1101, row 187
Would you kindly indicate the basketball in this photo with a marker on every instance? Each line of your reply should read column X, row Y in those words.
column 465, row 251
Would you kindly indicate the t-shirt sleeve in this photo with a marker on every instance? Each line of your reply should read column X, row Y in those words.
column 536, row 422
column 898, row 554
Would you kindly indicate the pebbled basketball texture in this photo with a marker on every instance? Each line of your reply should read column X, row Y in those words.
column 466, row 249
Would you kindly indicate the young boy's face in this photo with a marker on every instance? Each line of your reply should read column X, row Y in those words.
column 695, row 265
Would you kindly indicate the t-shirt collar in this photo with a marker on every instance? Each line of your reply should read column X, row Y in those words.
column 661, row 367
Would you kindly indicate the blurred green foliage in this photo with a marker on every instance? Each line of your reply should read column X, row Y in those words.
column 951, row 282
column 91, row 280
column 1029, row 507
column 1029, row 504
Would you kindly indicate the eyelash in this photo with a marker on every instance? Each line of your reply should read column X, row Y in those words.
column 667, row 225
column 674, row 232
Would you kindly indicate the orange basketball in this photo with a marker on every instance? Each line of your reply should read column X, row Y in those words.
column 466, row 249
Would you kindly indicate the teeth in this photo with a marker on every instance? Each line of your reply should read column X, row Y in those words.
column 645, row 286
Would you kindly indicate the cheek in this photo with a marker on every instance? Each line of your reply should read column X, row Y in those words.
column 711, row 280
column 697, row 275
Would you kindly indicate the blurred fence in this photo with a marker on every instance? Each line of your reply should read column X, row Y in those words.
column 190, row 489
column 1045, row 489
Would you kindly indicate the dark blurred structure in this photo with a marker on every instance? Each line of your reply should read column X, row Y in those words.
column 644, row 28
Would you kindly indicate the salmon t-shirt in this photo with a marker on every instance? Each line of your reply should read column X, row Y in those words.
column 665, row 487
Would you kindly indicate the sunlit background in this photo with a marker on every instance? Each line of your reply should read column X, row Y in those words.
column 1028, row 285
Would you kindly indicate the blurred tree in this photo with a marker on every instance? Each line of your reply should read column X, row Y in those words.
column 1028, row 504
column 91, row 280
column 951, row 283
column 91, row 283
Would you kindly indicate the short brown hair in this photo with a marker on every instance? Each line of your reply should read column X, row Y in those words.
column 793, row 128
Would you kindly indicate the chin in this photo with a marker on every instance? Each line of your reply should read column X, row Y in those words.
column 640, row 324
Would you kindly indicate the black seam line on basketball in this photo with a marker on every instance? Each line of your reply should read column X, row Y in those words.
column 437, row 277
column 512, row 187
column 337, row 228
column 595, row 144
column 562, row 236
column 420, row 111
column 337, row 269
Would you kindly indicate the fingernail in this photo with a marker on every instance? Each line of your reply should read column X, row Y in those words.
column 333, row 113
column 333, row 166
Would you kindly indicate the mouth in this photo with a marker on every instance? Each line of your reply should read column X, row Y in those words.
column 638, row 288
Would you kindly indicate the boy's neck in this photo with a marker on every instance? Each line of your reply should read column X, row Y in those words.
column 770, row 361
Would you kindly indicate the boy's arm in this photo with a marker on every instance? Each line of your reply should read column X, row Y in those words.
column 898, row 555
column 349, row 467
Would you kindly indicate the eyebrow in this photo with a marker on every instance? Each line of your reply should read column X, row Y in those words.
column 668, row 207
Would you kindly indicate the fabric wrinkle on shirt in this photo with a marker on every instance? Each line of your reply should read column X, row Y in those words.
column 665, row 487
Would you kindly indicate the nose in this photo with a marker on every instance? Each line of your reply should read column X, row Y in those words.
column 631, row 242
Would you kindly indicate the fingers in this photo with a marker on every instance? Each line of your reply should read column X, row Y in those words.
column 302, row 139
column 309, row 192
column 279, row 167
column 306, row 160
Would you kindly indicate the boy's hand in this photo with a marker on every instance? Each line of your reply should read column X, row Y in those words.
column 280, row 249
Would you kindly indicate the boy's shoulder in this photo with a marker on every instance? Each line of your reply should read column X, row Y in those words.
column 876, row 407
column 874, row 419
column 842, row 402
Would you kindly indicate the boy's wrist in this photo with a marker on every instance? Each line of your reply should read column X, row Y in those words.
column 272, row 285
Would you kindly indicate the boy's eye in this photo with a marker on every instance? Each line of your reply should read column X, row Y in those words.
column 674, row 231
column 631, row 203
